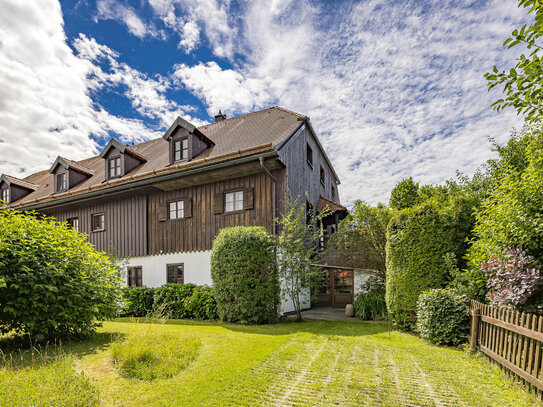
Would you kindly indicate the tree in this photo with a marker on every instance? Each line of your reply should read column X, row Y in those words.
column 405, row 194
column 523, row 84
column 296, row 251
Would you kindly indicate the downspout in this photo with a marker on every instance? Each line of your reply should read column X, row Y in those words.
column 261, row 159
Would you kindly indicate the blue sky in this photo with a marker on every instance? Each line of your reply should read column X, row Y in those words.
column 393, row 88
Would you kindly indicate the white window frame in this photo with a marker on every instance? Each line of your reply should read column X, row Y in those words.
column 181, row 149
column 176, row 210
column 6, row 195
column 63, row 184
column 114, row 169
column 233, row 201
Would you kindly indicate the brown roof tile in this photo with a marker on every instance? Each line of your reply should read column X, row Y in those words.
column 333, row 206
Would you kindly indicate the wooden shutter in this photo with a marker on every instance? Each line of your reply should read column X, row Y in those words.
column 187, row 207
column 163, row 212
column 248, row 198
column 218, row 203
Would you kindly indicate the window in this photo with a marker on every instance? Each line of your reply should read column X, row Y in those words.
column 74, row 223
column 98, row 222
column 61, row 182
column 309, row 156
column 114, row 167
column 233, row 201
column 134, row 276
column 177, row 210
column 333, row 192
column 322, row 176
column 5, row 195
column 175, row 273
column 181, row 149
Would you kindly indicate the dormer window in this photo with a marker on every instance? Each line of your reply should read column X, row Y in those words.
column 114, row 167
column 181, row 149
column 61, row 184
column 13, row 189
column 5, row 195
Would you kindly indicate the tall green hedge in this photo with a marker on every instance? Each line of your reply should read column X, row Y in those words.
column 418, row 239
column 244, row 273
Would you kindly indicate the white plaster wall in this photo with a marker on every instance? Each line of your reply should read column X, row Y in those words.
column 360, row 277
column 287, row 305
column 197, row 267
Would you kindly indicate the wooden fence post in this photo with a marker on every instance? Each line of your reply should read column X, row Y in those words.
column 475, row 318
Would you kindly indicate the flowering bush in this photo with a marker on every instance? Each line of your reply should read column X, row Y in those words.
column 512, row 279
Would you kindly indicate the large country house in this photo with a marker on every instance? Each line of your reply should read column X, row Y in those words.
column 160, row 203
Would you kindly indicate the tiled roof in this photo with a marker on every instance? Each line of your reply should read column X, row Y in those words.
column 244, row 135
column 333, row 206
column 19, row 182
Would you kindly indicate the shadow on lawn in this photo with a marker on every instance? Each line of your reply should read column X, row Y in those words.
column 287, row 326
column 16, row 352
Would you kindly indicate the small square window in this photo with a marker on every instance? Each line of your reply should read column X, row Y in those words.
column 61, row 182
column 134, row 276
column 175, row 273
column 98, row 222
column 115, row 167
column 233, row 201
column 74, row 223
column 309, row 156
column 322, row 176
column 177, row 210
column 5, row 195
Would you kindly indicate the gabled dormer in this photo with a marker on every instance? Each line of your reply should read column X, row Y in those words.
column 185, row 141
column 12, row 189
column 67, row 174
column 120, row 159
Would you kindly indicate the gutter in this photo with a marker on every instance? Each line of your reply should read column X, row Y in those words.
column 147, row 181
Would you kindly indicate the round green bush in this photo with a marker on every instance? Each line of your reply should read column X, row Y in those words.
column 53, row 283
column 418, row 239
column 137, row 301
column 442, row 317
column 201, row 304
column 169, row 300
column 244, row 274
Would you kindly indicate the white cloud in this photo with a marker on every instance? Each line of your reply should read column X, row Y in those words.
column 114, row 10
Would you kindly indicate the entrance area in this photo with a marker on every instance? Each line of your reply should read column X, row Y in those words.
column 335, row 289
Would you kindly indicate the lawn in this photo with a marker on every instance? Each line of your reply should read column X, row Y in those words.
column 310, row 363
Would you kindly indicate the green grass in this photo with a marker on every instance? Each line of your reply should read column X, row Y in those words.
column 311, row 363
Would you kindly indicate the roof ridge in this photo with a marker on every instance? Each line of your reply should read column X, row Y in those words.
column 253, row 113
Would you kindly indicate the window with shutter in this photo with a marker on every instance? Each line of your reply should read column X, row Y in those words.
column 233, row 201
column 176, row 210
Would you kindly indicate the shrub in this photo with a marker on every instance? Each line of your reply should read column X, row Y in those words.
column 442, row 317
column 244, row 273
column 137, row 301
column 418, row 241
column 370, row 303
column 169, row 300
column 512, row 278
column 52, row 281
column 201, row 304
column 153, row 355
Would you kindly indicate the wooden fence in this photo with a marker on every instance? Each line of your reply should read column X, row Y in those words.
column 511, row 339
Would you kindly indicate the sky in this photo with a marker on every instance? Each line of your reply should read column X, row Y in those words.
column 393, row 88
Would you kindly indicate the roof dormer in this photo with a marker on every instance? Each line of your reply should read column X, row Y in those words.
column 67, row 174
column 120, row 159
column 185, row 141
column 12, row 189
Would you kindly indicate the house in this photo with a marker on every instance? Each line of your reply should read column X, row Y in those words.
column 160, row 203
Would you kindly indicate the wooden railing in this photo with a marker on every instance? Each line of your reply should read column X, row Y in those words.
column 511, row 339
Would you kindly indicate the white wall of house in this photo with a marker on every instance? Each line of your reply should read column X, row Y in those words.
column 197, row 267
column 287, row 305
column 360, row 277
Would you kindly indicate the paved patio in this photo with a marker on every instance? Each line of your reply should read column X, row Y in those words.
column 328, row 314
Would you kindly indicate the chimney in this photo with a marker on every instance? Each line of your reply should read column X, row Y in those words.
column 220, row 117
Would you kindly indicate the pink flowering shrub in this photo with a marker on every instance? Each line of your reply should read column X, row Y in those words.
column 512, row 279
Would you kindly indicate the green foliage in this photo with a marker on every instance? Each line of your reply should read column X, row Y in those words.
column 54, row 283
column 137, row 301
column 419, row 240
column 244, row 274
column 360, row 240
column 297, row 249
column 154, row 355
column 370, row 304
column 201, row 304
column 169, row 300
column 54, row 383
column 442, row 317
column 405, row 194
column 523, row 84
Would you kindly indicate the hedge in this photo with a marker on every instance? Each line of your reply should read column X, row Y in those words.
column 138, row 301
column 169, row 300
column 418, row 240
column 244, row 274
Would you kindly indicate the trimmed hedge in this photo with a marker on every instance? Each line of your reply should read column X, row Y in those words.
column 442, row 317
column 244, row 273
column 201, row 304
column 418, row 239
column 170, row 300
column 138, row 301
